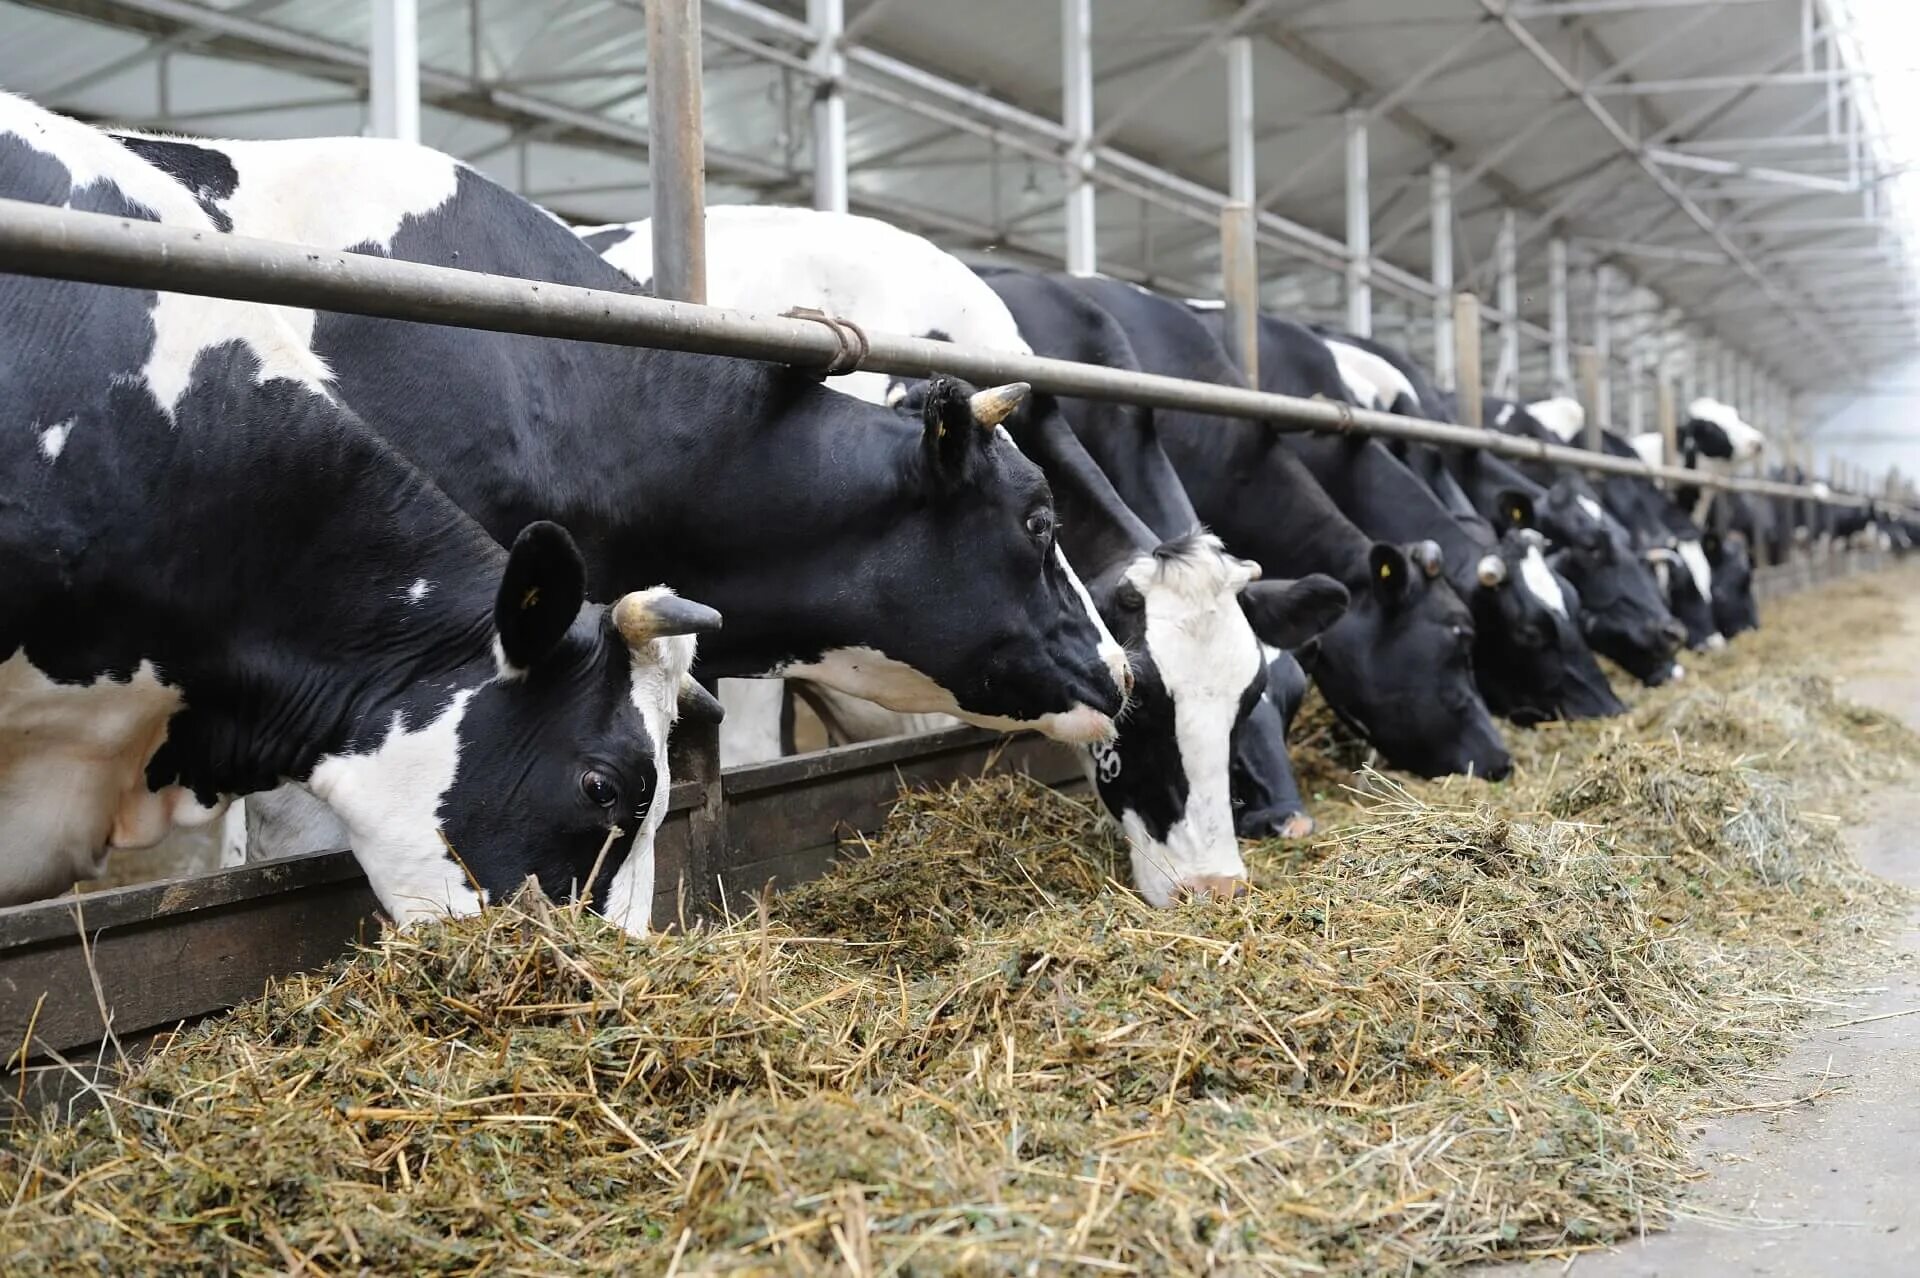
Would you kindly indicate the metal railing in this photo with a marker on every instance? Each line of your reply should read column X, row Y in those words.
column 58, row 243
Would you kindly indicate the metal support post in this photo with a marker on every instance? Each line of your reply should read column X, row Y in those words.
column 1592, row 383
column 1636, row 392
column 1667, row 421
column 1600, row 408
column 393, row 71
column 1239, row 249
column 1467, row 366
column 1559, row 359
column 1076, row 43
column 1441, row 209
column 1506, row 377
column 828, row 20
column 676, row 150
column 1359, row 229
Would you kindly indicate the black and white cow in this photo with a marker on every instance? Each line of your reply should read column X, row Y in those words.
column 1531, row 660
column 1187, row 612
column 217, row 578
column 1399, row 665
column 902, row 562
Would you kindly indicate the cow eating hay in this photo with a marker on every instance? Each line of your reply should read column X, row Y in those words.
column 1465, row 1021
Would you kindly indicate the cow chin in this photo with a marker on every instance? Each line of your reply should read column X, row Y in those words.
column 1174, row 870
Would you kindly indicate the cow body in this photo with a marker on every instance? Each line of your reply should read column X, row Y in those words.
column 218, row 578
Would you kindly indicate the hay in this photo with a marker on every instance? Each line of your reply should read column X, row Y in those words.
column 1468, row 1020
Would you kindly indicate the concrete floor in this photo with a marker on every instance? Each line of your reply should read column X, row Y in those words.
column 1821, row 1175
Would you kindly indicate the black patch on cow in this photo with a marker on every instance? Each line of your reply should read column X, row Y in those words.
column 208, row 174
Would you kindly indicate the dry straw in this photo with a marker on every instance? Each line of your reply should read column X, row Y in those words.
column 1468, row 1020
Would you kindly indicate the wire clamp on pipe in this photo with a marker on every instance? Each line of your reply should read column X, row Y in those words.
column 849, row 336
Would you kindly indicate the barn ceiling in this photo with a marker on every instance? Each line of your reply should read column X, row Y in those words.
column 1726, row 158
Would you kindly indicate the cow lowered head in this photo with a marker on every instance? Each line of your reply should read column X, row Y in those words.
column 1534, row 660
column 1399, row 666
column 1199, row 670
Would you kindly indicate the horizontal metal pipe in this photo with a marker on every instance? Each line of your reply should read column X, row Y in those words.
column 54, row 243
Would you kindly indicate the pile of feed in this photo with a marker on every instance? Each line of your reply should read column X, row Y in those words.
column 1468, row 1019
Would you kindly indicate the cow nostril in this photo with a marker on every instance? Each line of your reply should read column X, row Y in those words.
column 1499, row 770
column 1674, row 632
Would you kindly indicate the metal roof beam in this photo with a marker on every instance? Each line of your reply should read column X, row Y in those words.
column 1733, row 168
column 1537, row 9
column 1625, row 141
column 1741, row 80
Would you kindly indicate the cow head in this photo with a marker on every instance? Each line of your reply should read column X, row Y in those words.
column 1686, row 577
column 1193, row 619
column 1715, row 430
column 1533, row 663
column 985, row 620
column 554, row 768
column 1623, row 613
column 1734, row 608
column 1399, row 667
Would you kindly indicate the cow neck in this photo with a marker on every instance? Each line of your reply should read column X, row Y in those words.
column 366, row 595
column 1388, row 502
column 604, row 439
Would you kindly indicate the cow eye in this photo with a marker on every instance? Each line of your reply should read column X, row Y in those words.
column 1040, row 524
column 598, row 789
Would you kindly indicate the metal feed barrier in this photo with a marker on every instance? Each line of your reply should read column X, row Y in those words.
column 134, row 962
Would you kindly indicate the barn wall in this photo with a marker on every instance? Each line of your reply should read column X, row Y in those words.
column 1877, row 428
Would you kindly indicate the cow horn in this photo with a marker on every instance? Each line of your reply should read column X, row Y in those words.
column 994, row 405
column 646, row 615
column 1492, row 571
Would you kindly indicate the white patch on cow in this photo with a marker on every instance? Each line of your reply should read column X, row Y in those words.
column 419, row 590
column 54, row 438
column 1697, row 566
column 293, row 190
column 659, row 668
column 183, row 326
column 1746, row 441
column 389, row 798
column 73, row 774
column 1820, row 490
column 1111, row 653
column 1591, row 506
column 1561, row 415
column 1651, row 447
column 505, row 670
column 1373, row 382
column 1541, row 583
column 1207, row 656
column 1505, row 415
column 1205, row 304
column 1716, row 641
column 1679, row 672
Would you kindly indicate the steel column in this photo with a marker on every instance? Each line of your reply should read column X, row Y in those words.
column 1239, row 250
column 676, row 150
column 1603, row 342
column 1506, row 377
column 828, row 20
column 1466, row 338
column 393, row 71
column 1559, row 360
column 1440, row 196
column 1359, row 229
column 1076, row 87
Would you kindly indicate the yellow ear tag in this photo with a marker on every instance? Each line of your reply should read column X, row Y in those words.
column 529, row 599
column 1518, row 514
column 1386, row 571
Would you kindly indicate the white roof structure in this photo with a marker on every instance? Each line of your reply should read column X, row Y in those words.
column 1714, row 170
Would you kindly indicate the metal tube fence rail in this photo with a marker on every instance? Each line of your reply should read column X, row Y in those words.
column 56, row 243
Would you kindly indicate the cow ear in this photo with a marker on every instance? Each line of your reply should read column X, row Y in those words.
column 1285, row 614
column 540, row 595
column 949, row 435
column 1390, row 573
column 1515, row 510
